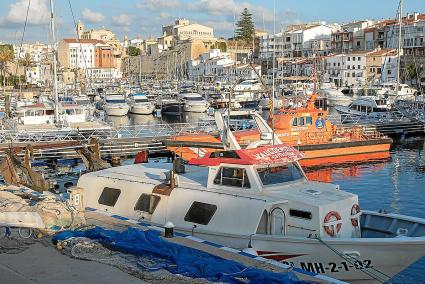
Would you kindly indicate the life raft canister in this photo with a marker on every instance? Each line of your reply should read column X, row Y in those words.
column 355, row 215
column 331, row 219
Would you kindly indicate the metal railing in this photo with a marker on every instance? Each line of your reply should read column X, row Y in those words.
column 108, row 132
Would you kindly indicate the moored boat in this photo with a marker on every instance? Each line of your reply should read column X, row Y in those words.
column 116, row 105
column 259, row 198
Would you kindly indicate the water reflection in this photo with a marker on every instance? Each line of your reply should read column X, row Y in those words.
column 118, row 121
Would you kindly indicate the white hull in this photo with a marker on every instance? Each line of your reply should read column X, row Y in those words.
column 33, row 120
column 389, row 256
column 190, row 107
column 116, row 110
column 142, row 109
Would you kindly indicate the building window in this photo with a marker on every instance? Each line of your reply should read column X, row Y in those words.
column 235, row 177
column 200, row 213
column 389, row 72
column 354, row 59
column 300, row 214
column 378, row 70
column 147, row 203
column 348, row 58
column 109, row 196
column 358, row 66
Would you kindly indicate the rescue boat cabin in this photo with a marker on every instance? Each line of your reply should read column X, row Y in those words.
column 307, row 125
column 261, row 191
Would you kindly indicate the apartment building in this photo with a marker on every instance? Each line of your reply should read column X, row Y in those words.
column 215, row 65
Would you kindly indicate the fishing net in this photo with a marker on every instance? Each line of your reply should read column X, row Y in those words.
column 146, row 254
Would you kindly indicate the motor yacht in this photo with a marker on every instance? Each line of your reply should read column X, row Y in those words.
column 193, row 102
column 369, row 107
column 140, row 104
column 116, row 105
column 248, row 92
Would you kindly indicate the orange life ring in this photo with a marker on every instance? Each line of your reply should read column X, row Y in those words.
column 329, row 228
column 355, row 214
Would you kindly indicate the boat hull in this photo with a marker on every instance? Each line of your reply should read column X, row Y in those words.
column 116, row 110
column 195, row 107
column 142, row 109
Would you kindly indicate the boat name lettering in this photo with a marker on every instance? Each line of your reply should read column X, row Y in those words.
column 333, row 267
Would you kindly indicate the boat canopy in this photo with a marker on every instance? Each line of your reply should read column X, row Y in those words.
column 276, row 154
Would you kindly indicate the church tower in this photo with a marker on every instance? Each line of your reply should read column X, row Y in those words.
column 80, row 29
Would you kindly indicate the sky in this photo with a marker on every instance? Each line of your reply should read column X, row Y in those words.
column 143, row 18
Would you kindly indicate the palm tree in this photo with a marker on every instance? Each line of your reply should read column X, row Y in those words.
column 6, row 55
column 26, row 62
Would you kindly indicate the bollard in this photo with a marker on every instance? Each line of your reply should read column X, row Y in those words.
column 169, row 230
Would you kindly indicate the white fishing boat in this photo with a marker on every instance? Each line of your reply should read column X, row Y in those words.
column 116, row 105
column 193, row 102
column 260, row 198
column 140, row 104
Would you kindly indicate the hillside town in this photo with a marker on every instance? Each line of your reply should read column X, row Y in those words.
column 211, row 141
column 348, row 54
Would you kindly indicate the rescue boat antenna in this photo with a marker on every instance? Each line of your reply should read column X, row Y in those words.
column 55, row 79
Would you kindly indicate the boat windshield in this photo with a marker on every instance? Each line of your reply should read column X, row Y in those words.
column 116, row 101
column 141, row 100
column 197, row 99
column 280, row 174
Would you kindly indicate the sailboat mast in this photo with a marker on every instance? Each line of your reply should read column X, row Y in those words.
column 400, row 18
column 274, row 70
column 55, row 79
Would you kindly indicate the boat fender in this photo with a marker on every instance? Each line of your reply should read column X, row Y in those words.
column 355, row 215
column 329, row 223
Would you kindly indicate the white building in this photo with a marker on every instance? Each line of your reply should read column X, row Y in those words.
column 77, row 54
column 219, row 66
column 39, row 74
column 346, row 69
column 298, row 41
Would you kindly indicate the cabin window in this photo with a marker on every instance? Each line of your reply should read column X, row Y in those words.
column 200, row 213
column 109, row 196
column 300, row 214
column 308, row 120
column 236, row 177
column 147, row 203
column 300, row 121
column 280, row 174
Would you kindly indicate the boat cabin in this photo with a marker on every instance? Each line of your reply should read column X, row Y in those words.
column 245, row 192
column 304, row 125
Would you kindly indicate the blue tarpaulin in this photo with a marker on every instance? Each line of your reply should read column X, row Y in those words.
column 176, row 258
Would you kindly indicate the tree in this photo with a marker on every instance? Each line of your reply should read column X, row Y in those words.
column 133, row 51
column 27, row 62
column 245, row 27
column 6, row 55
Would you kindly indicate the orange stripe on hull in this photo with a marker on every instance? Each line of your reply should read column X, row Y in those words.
column 342, row 158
